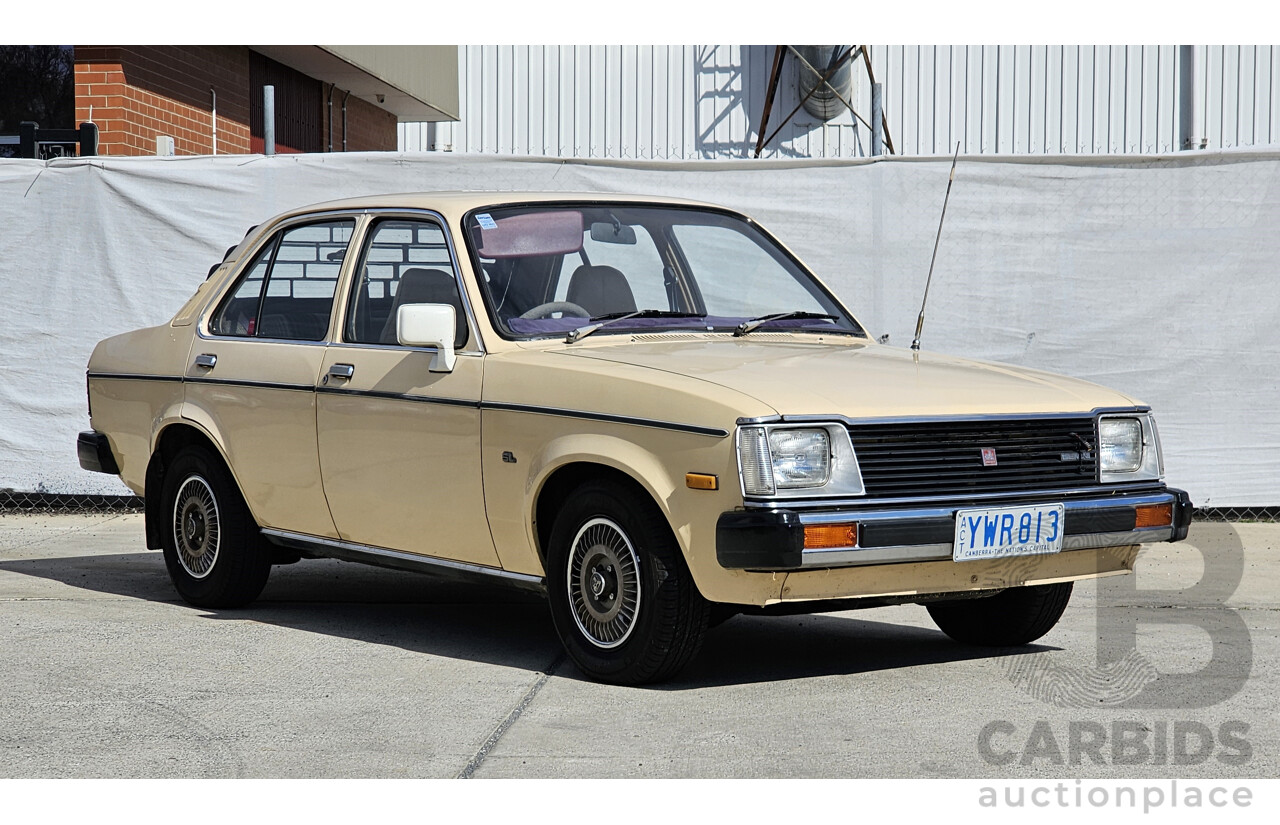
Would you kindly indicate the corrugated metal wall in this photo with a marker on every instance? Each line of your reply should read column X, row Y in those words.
column 697, row 102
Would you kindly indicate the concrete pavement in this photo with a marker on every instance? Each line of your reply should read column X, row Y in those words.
column 341, row 670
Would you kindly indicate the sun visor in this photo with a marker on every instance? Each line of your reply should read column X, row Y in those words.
column 557, row 232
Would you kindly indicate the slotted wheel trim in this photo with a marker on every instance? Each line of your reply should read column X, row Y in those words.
column 604, row 583
column 197, row 529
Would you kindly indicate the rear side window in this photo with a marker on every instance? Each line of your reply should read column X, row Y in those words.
column 287, row 292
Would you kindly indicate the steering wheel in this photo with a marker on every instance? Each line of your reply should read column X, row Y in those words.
column 551, row 307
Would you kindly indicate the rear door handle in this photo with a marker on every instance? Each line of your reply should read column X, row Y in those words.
column 342, row 370
column 207, row 360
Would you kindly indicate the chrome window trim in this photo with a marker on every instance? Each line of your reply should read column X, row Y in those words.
column 377, row 213
column 200, row 333
column 469, row 353
column 364, row 218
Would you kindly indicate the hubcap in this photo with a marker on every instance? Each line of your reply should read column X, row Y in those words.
column 196, row 526
column 604, row 583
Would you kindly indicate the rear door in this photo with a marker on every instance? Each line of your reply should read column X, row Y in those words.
column 253, row 368
column 399, row 444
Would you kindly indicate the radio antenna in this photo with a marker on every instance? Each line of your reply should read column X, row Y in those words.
column 915, row 342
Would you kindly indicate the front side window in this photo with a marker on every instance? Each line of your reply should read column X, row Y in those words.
column 287, row 291
column 549, row 269
column 403, row 262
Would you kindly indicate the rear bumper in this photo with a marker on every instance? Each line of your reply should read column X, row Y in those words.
column 95, row 453
column 773, row 540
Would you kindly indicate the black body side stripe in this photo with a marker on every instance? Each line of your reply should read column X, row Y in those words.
column 123, row 376
column 398, row 396
column 613, row 419
column 264, row 385
column 714, row 432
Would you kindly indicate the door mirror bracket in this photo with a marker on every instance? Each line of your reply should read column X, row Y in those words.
column 429, row 325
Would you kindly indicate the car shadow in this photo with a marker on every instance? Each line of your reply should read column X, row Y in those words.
column 774, row 648
column 512, row 628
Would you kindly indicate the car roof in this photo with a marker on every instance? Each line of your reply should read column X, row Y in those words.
column 454, row 204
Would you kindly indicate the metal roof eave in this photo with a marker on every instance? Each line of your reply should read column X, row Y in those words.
column 407, row 91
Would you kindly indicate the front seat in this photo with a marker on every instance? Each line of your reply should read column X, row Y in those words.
column 427, row 286
column 600, row 290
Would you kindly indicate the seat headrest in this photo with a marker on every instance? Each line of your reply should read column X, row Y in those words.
column 427, row 286
column 600, row 290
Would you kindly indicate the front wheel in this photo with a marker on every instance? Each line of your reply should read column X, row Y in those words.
column 212, row 549
column 1013, row 617
column 622, row 600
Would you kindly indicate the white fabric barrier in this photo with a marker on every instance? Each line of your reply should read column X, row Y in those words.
column 1152, row 275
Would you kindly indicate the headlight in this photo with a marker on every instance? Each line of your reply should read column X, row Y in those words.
column 801, row 458
column 1129, row 448
column 1120, row 444
column 794, row 462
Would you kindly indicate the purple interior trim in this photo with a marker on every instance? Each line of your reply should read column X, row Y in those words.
column 546, row 326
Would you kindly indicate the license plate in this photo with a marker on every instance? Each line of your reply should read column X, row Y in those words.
column 998, row 532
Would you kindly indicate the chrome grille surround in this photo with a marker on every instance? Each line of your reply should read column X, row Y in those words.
column 945, row 458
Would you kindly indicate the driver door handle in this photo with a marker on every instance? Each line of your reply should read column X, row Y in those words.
column 207, row 360
column 342, row 370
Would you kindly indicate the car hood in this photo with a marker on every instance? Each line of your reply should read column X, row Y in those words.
column 796, row 377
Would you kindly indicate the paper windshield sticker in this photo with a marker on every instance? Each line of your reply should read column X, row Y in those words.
column 486, row 222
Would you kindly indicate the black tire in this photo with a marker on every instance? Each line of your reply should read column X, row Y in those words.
column 1017, row 616
column 617, row 543
column 212, row 548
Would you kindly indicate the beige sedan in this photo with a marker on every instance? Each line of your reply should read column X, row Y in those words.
column 647, row 409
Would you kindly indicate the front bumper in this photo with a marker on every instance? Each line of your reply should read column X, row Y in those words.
column 773, row 540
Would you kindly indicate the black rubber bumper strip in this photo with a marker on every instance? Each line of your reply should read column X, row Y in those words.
column 759, row 540
column 1182, row 511
column 95, row 453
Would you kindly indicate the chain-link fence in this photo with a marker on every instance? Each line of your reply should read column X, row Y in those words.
column 1238, row 514
column 13, row 502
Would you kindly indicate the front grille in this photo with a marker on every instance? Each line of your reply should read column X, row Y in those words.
column 945, row 458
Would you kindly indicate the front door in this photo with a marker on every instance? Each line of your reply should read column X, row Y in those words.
column 399, row 444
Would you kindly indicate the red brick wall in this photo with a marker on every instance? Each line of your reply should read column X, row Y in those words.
column 141, row 92
column 369, row 129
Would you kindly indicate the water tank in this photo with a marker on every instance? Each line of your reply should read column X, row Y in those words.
column 824, row 103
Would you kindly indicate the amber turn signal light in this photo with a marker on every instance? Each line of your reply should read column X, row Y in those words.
column 825, row 536
column 701, row 481
column 1153, row 515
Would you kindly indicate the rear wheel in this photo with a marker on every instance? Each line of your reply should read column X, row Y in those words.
column 622, row 600
column 1017, row 616
column 212, row 548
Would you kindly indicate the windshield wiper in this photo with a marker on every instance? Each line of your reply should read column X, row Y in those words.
column 748, row 326
column 611, row 318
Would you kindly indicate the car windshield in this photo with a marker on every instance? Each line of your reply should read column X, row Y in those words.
column 559, row 269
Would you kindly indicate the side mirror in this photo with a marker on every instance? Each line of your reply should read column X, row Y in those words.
column 428, row 325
